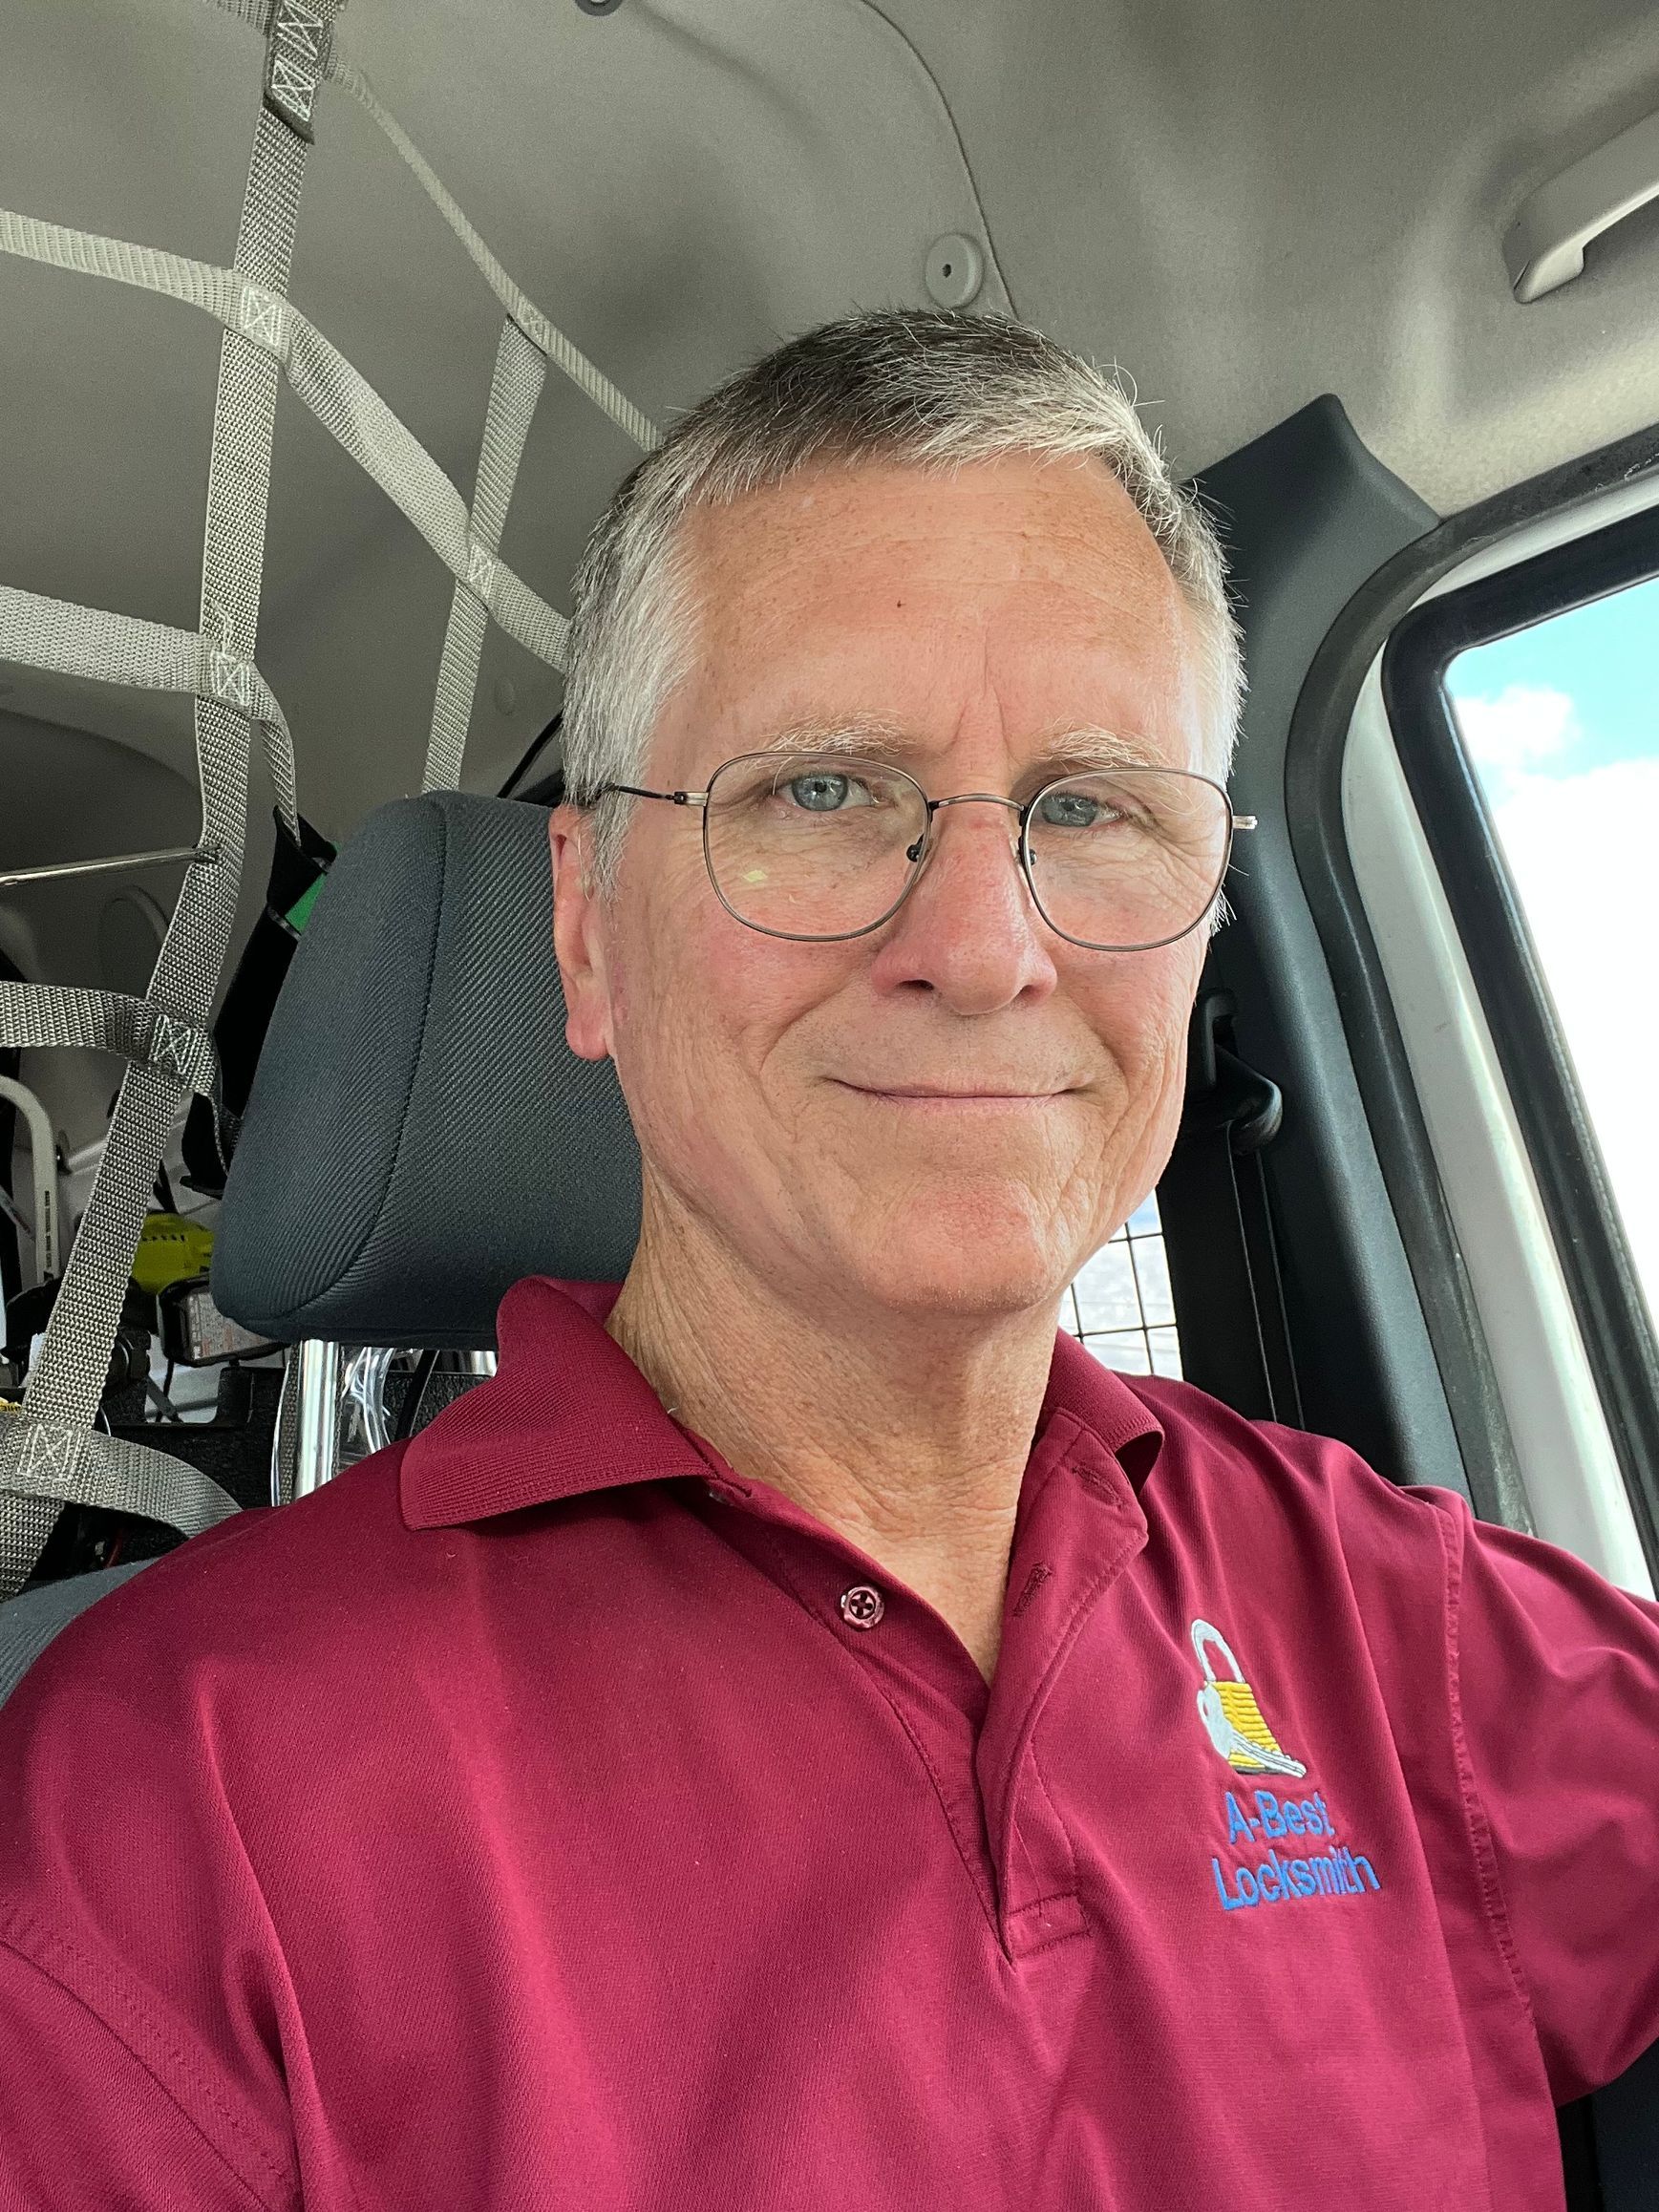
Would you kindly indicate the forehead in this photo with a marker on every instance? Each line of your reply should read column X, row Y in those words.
column 996, row 604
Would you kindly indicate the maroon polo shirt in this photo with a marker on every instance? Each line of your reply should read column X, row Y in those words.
column 543, row 1816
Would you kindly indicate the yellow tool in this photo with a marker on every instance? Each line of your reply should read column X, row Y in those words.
column 170, row 1251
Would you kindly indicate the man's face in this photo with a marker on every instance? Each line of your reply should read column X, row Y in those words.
column 951, row 1114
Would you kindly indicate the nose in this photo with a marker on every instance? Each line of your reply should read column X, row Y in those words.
column 969, row 931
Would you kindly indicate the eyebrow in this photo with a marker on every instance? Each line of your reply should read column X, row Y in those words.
column 1072, row 750
column 848, row 734
column 1075, row 750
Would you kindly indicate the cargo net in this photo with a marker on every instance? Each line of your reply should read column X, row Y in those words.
column 52, row 1454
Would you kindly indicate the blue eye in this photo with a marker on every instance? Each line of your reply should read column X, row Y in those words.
column 1071, row 810
column 822, row 793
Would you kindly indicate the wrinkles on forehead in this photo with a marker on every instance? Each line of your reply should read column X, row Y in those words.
column 1012, row 607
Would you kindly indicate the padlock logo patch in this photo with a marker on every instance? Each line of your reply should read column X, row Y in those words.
column 1232, row 1718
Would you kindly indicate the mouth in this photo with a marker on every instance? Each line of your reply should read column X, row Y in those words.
column 924, row 1097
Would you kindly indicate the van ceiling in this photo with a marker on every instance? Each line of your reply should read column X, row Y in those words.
column 1244, row 206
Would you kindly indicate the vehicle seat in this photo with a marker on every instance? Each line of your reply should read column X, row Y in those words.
column 418, row 1135
column 32, row 1619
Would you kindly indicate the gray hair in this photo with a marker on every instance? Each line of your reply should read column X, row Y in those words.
column 917, row 387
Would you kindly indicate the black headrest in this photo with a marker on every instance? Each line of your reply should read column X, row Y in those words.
column 418, row 1135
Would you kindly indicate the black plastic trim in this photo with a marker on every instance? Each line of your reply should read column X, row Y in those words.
column 1573, row 1183
column 1308, row 515
column 528, row 758
column 1313, row 805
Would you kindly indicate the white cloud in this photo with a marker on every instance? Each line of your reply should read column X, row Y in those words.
column 1581, row 850
column 1525, row 724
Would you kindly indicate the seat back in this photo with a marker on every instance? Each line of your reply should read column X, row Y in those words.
column 30, row 1621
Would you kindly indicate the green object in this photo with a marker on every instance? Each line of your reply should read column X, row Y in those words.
column 170, row 1251
column 299, row 912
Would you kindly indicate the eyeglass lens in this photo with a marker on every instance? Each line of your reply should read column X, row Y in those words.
column 827, row 844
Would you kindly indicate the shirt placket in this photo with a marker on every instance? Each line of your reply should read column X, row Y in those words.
column 1079, row 1524
column 893, row 1645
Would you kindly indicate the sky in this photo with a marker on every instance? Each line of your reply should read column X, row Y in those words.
column 1561, row 722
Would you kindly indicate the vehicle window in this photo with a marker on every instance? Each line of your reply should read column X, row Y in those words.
column 1120, row 1306
column 1561, row 727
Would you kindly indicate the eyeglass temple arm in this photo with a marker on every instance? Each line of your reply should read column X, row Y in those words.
column 1243, row 822
column 638, row 791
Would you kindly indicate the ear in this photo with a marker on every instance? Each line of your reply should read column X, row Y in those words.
column 577, row 936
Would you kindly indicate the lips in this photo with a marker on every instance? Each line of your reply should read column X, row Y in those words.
column 987, row 1095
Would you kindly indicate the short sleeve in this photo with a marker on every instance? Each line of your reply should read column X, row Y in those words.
column 1556, row 1707
column 141, row 2061
column 85, row 2126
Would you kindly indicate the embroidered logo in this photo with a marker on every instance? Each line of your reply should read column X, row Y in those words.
column 1231, row 1716
column 1260, row 1821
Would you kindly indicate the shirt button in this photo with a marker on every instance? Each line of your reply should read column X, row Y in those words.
column 862, row 1606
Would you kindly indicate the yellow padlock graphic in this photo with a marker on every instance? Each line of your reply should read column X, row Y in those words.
column 1231, row 1715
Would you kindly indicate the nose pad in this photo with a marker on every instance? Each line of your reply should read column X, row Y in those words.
column 913, row 853
column 927, row 843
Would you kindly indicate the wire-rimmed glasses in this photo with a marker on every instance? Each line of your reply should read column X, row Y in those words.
column 821, row 847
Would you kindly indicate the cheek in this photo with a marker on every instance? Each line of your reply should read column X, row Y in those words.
column 1139, row 1009
column 704, row 1011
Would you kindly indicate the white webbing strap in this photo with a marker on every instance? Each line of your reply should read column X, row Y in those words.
column 545, row 336
column 57, row 1464
column 121, row 648
column 342, row 400
column 42, row 1016
column 49, row 1454
column 516, row 385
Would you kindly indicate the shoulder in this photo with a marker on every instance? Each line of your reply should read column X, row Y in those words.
column 165, row 1738
column 146, row 1761
column 1260, row 1488
column 260, row 1592
column 1194, row 1460
column 1199, row 1432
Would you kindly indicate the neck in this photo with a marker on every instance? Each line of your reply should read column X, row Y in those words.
column 908, row 1435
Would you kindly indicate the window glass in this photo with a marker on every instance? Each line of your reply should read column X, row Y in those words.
column 1561, row 723
column 1119, row 1304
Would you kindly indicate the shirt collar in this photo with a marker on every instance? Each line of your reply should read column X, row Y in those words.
column 1107, row 1405
column 568, row 1412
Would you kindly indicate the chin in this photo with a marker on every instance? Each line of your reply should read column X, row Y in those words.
column 985, row 1252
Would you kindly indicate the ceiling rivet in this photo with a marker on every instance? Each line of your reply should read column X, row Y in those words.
column 955, row 270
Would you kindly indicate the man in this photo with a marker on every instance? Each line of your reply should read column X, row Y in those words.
column 801, row 1735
